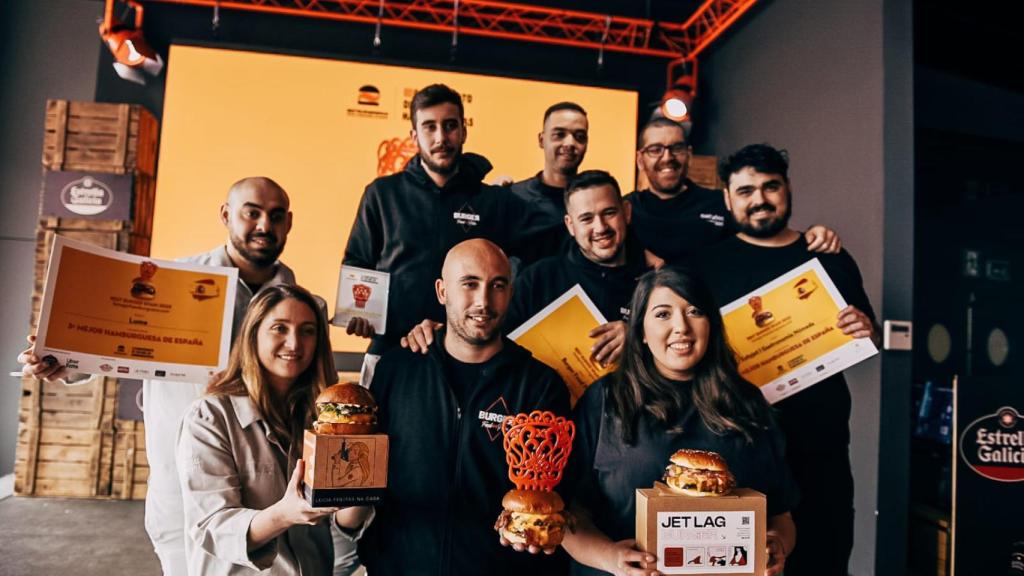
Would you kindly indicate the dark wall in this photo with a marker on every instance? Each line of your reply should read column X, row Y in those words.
column 49, row 51
column 831, row 82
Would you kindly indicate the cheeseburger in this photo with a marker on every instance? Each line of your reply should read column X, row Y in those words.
column 345, row 408
column 699, row 473
column 533, row 518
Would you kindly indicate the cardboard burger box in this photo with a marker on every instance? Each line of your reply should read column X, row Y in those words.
column 702, row 536
column 347, row 470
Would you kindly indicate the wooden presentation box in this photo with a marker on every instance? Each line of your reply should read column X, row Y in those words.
column 702, row 536
column 345, row 470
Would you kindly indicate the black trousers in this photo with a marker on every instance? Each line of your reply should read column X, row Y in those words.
column 824, row 517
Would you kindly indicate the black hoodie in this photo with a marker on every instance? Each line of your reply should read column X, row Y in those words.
column 610, row 287
column 406, row 225
column 446, row 466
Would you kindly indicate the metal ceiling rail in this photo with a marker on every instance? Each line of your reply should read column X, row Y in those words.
column 520, row 22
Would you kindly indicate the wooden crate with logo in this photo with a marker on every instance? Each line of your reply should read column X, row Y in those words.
column 69, row 441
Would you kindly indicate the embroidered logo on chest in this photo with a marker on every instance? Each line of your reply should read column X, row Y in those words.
column 466, row 217
column 714, row 219
column 492, row 417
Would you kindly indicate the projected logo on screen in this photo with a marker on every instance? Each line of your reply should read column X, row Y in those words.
column 369, row 95
column 367, row 98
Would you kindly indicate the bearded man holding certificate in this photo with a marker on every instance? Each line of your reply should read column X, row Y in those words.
column 815, row 421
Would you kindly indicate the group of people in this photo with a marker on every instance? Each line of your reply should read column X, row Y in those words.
column 225, row 491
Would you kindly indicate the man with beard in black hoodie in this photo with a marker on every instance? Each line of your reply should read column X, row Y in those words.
column 408, row 221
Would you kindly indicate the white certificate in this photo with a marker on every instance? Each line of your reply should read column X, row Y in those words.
column 363, row 294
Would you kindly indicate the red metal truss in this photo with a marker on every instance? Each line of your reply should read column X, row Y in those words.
column 520, row 22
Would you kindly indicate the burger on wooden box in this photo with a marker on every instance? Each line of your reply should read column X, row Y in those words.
column 702, row 536
column 346, row 462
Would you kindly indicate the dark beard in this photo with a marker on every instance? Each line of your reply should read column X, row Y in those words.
column 442, row 170
column 259, row 258
column 767, row 229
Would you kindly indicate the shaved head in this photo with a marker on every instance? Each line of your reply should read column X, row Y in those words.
column 475, row 288
column 484, row 253
column 257, row 216
column 246, row 186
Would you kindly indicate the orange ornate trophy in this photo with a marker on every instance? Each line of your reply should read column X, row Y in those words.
column 537, row 447
column 361, row 293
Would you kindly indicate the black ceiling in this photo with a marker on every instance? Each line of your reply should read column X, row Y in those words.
column 980, row 41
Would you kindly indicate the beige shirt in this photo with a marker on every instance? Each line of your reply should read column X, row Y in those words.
column 231, row 467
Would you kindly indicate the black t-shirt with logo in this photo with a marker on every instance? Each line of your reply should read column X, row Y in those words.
column 815, row 419
column 676, row 228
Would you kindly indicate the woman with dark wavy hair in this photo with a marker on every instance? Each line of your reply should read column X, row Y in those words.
column 677, row 386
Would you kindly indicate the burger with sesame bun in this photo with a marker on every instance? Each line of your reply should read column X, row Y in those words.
column 344, row 409
column 533, row 518
column 699, row 473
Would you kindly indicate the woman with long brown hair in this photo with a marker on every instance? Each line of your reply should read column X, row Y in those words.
column 239, row 448
column 676, row 387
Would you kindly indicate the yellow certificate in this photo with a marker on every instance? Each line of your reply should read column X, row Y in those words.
column 558, row 337
column 117, row 314
column 785, row 336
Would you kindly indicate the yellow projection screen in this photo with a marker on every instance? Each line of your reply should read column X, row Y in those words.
column 318, row 128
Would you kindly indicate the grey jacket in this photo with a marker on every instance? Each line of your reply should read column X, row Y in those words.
column 231, row 467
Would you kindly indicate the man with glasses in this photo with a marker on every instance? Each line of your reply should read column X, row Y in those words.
column 675, row 217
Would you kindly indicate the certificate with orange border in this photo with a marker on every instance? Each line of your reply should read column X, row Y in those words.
column 117, row 314
column 785, row 336
column 558, row 337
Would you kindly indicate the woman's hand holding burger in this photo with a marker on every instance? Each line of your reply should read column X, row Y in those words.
column 623, row 559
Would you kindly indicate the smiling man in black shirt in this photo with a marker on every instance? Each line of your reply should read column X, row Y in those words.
column 675, row 218
column 602, row 260
column 564, row 139
column 815, row 421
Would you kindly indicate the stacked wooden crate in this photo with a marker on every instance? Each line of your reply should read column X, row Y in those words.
column 70, row 442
